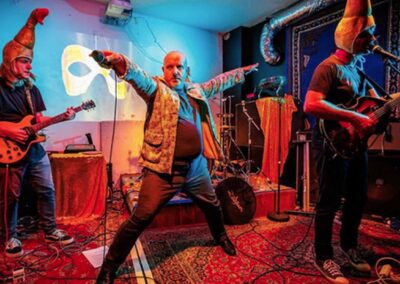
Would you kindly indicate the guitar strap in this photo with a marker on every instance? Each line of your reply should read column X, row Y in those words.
column 374, row 84
column 29, row 99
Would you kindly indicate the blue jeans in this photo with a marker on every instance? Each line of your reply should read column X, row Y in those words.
column 37, row 172
column 156, row 190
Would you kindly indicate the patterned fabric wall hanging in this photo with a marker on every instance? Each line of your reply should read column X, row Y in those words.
column 312, row 41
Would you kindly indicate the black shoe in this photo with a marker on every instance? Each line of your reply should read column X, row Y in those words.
column 227, row 246
column 357, row 262
column 105, row 277
column 331, row 271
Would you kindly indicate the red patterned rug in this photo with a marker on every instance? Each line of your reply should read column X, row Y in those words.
column 268, row 252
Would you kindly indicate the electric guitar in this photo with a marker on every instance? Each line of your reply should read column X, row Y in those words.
column 12, row 151
column 343, row 139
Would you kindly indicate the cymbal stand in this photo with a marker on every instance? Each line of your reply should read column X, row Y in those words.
column 226, row 129
column 250, row 121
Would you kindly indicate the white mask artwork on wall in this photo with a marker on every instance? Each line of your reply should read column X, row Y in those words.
column 78, row 85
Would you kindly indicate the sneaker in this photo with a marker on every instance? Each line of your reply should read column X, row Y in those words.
column 59, row 236
column 331, row 271
column 356, row 260
column 13, row 248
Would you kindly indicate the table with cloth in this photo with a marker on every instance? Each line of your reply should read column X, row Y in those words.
column 80, row 181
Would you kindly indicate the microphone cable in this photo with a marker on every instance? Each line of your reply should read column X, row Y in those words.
column 109, row 166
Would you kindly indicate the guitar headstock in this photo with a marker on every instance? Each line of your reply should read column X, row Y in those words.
column 87, row 105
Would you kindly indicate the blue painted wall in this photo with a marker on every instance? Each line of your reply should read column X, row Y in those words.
column 78, row 22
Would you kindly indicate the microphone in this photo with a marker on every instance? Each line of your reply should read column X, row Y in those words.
column 375, row 48
column 100, row 58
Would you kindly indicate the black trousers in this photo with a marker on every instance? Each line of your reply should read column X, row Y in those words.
column 339, row 178
column 156, row 190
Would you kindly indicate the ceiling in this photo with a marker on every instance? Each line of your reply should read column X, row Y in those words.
column 213, row 15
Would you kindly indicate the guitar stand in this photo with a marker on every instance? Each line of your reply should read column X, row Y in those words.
column 302, row 179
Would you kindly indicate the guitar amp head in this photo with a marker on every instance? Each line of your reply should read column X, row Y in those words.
column 77, row 148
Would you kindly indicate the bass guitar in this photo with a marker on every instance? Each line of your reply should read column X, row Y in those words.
column 12, row 152
column 344, row 139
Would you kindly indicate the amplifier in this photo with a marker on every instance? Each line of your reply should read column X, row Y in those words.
column 378, row 143
column 77, row 148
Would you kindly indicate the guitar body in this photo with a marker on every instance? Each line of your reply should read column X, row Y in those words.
column 12, row 152
column 346, row 141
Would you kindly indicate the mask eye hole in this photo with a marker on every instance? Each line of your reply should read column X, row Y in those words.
column 79, row 69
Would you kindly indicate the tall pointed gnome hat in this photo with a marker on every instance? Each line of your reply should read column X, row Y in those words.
column 23, row 42
column 357, row 18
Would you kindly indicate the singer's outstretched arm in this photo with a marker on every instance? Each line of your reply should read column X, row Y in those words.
column 226, row 80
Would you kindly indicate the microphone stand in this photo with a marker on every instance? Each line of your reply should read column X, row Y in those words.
column 277, row 215
column 250, row 121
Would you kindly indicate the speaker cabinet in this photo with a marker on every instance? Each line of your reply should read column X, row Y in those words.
column 379, row 143
column 384, row 185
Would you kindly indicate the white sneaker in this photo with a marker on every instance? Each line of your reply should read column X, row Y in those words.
column 59, row 236
column 13, row 248
column 331, row 271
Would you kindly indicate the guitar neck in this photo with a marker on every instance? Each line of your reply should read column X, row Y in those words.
column 388, row 106
column 53, row 120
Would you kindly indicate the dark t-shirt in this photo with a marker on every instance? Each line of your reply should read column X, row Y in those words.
column 14, row 107
column 188, row 138
column 341, row 84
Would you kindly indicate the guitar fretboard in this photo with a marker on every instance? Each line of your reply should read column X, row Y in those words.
column 387, row 107
column 53, row 120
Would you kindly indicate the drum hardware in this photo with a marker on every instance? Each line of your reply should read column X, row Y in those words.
column 225, row 115
column 227, row 127
column 250, row 122
column 227, row 140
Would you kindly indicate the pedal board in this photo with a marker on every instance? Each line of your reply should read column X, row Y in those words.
column 130, row 187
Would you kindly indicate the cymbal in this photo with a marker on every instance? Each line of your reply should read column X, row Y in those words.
column 228, row 127
column 225, row 115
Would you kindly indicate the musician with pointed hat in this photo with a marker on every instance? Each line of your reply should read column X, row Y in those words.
column 339, row 80
column 19, row 97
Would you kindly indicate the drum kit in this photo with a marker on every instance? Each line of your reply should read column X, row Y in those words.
column 231, row 177
column 234, row 192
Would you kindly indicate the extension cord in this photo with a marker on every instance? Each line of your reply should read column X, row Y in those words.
column 395, row 278
column 385, row 271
